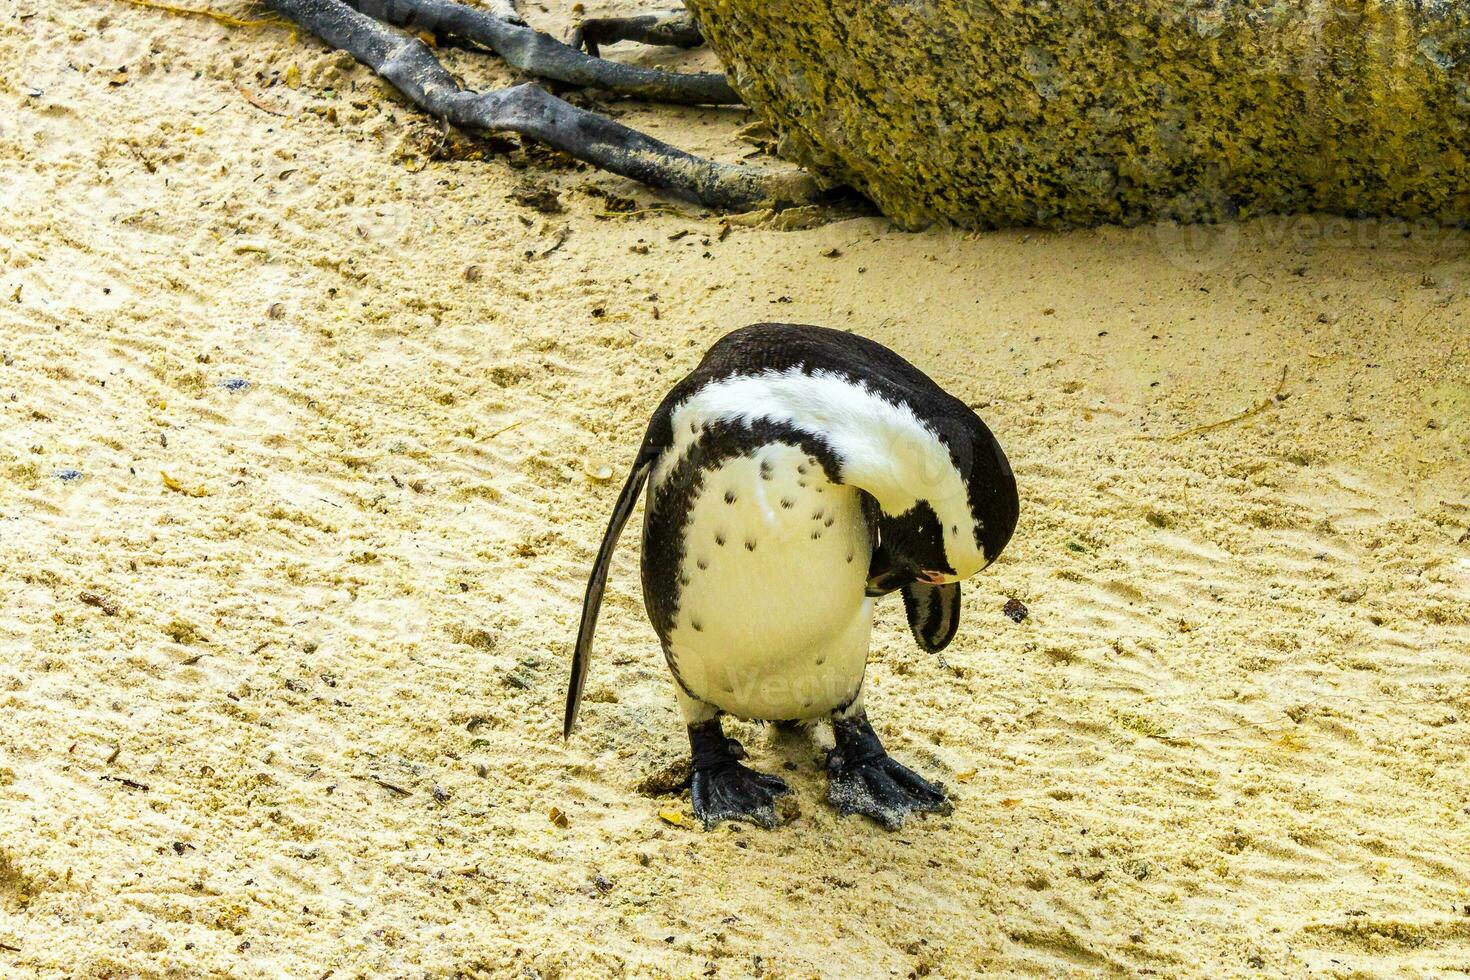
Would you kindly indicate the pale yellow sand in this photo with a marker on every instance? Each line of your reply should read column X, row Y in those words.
column 1230, row 740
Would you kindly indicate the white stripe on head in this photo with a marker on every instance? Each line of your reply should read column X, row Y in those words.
column 883, row 448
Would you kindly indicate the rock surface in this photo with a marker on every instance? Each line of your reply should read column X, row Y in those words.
column 1070, row 112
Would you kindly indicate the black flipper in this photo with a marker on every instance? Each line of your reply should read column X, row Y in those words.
column 934, row 613
column 597, row 582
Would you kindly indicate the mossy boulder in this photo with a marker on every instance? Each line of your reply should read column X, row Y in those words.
column 1079, row 112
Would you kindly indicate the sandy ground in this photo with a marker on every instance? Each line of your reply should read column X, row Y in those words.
column 293, row 709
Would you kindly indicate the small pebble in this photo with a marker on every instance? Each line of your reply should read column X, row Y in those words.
column 441, row 794
column 1016, row 609
column 100, row 601
column 67, row 476
column 234, row 384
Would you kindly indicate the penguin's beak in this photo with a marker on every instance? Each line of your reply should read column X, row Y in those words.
column 886, row 581
column 885, row 576
column 893, row 579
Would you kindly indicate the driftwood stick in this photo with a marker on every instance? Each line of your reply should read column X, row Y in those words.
column 409, row 65
column 544, row 56
column 675, row 29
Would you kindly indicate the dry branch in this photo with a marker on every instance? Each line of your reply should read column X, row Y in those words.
column 410, row 66
column 675, row 29
column 544, row 56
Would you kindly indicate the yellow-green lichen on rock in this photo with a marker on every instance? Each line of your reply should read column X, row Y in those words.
column 1077, row 112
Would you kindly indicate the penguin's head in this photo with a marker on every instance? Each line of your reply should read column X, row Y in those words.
column 955, row 511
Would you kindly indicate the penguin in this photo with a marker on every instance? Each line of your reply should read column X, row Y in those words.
column 797, row 475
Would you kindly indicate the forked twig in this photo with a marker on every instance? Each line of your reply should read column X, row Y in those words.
column 1255, row 409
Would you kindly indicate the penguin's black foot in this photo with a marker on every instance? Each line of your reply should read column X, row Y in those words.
column 885, row 790
column 733, row 792
column 721, row 788
column 866, row 779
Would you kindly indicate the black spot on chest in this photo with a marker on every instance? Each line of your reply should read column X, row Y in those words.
column 666, row 519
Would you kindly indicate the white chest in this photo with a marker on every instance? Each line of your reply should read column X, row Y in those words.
column 772, row 620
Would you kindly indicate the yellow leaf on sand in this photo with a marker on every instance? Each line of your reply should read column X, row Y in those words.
column 965, row 777
column 178, row 487
column 1010, row 802
column 293, row 77
column 672, row 816
column 557, row 817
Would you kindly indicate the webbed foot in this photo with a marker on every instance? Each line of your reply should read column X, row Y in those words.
column 721, row 788
column 733, row 792
column 866, row 779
